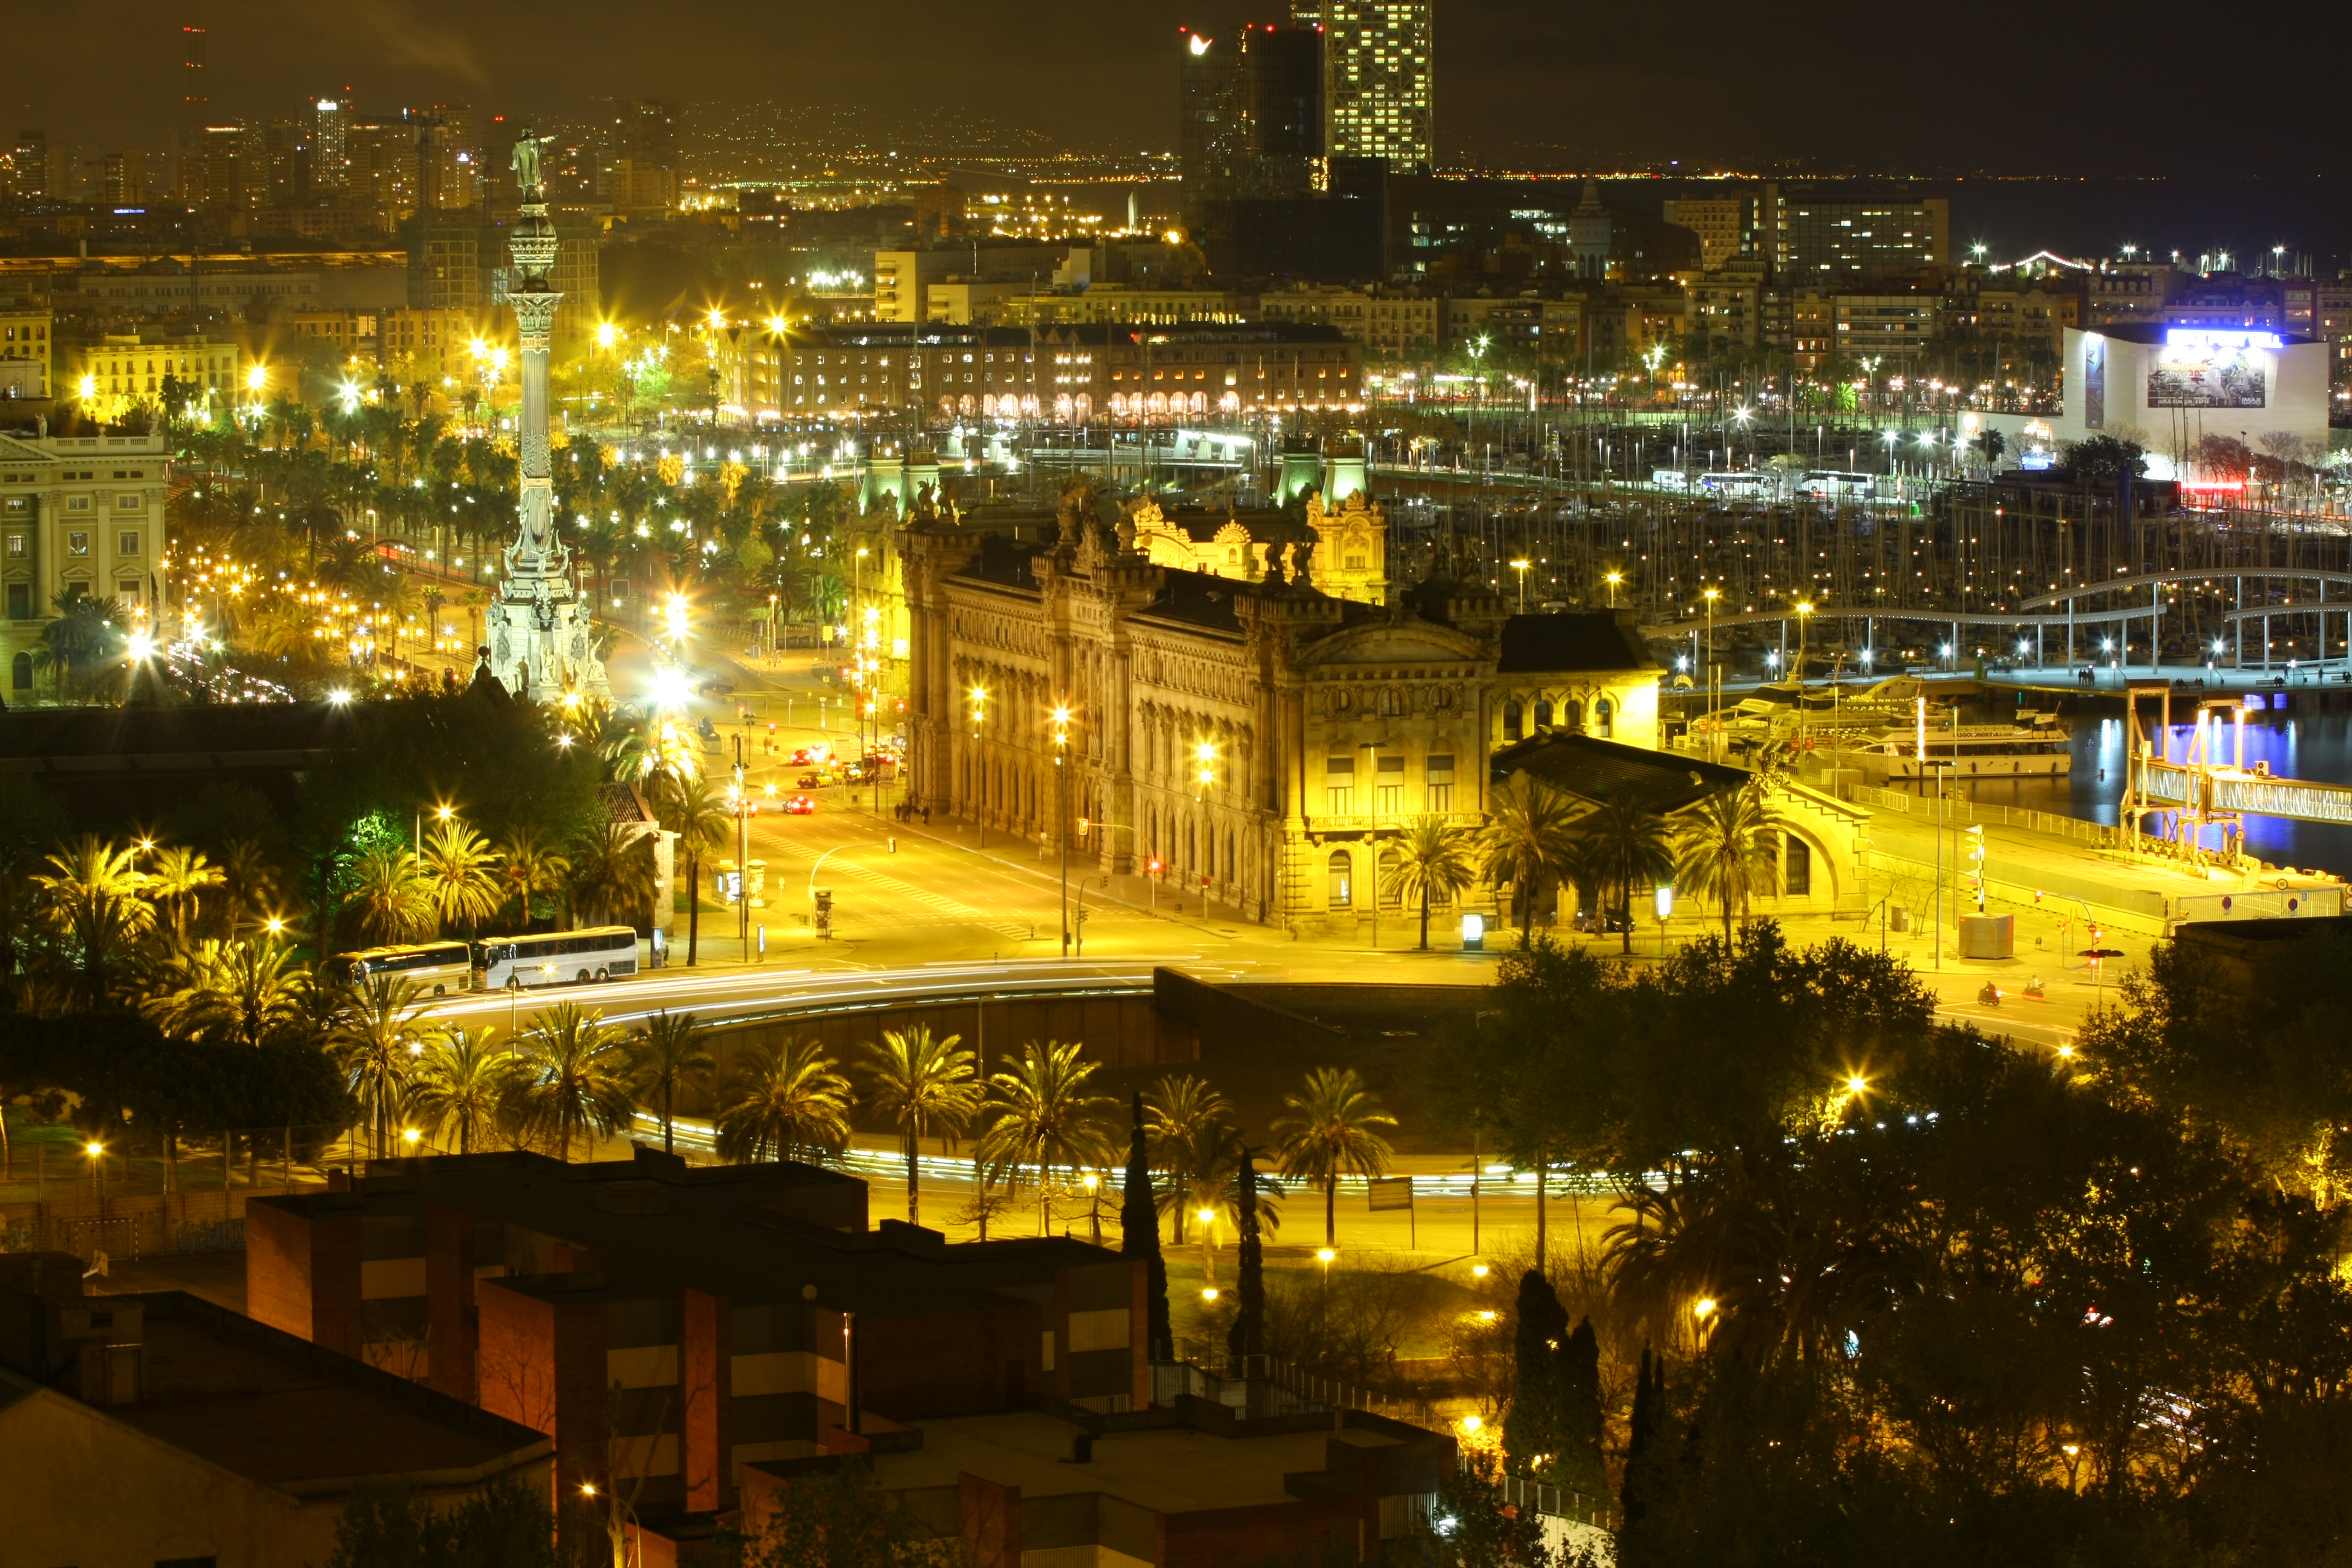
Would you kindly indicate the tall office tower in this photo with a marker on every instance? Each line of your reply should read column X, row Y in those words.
column 330, row 154
column 448, row 178
column 195, row 102
column 1282, row 77
column 1251, row 119
column 1379, row 82
column 235, row 176
column 1210, row 131
column 286, row 153
column 29, row 166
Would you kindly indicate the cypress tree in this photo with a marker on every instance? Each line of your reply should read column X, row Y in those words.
column 1648, row 1415
column 1245, row 1341
column 1139, row 1221
column 1580, row 1465
column 1532, row 1427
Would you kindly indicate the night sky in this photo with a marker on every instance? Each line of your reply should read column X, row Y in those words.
column 2103, row 86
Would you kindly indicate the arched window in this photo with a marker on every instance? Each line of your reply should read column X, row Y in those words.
column 1797, row 876
column 1342, row 873
column 1512, row 726
column 20, row 672
column 1572, row 715
column 1543, row 713
column 1391, row 890
column 1604, row 717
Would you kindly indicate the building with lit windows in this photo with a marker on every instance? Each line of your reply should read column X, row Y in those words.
column 24, row 347
column 79, row 515
column 1059, row 373
column 1264, row 741
column 114, row 374
column 1379, row 81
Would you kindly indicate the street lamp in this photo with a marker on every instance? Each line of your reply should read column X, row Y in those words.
column 1613, row 579
column 1521, row 568
column 980, row 760
column 1062, row 819
column 97, row 1152
column 1713, row 701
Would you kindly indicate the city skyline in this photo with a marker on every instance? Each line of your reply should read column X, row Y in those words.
column 1518, row 86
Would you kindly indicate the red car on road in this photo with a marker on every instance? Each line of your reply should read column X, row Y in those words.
column 800, row 806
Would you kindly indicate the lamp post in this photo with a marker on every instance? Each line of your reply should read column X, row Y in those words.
column 1712, row 701
column 1612, row 579
column 980, row 760
column 1062, row 813
column 1521, row 568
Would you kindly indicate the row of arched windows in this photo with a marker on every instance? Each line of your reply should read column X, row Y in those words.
column 1569, row 714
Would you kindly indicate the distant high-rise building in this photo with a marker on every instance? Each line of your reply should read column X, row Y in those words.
column 286, row 153
column 448, row 156
column 379, row 155
column 195, row 100
column 330, row 144
column 123, row 178
column 29, row 166
column 234, row 175
column 1251, row 119
column 637, row 165
column 1379, row 79
column 1209, row 128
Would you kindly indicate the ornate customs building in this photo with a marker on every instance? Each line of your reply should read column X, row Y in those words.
column 1322, row 724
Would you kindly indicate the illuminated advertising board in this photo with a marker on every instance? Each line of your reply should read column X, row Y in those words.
column 2200, row 368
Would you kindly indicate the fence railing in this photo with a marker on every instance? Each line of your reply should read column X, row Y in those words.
column 1254, row 1397
column 1956, row 807
column 1559, row 1502
column 1338, row 1394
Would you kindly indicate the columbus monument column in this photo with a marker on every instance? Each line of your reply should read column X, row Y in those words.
column 542, row 646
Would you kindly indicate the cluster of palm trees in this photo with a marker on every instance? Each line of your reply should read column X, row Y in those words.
column 455, row 878
column 1726, row 850
column 94, row 920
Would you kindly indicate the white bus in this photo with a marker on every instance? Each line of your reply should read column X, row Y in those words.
column 1829, row 484
column 1736, row 484
column 439, row 967
column 556, row 957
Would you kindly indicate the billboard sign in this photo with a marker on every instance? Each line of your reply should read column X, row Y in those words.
column 2203, row 369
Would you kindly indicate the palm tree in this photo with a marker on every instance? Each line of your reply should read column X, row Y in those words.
column 667, row 1059
column 529, row 868
column 248, row 882
column 1527, row 841
column 1432, row 866
column 391, row 898
column 569, row 1081
column 181, row 874
column 241, row 993
column 1620, row 846
column 1729, row 849
column 700, row 817
column 613, row 880
column 94, row 897
column 460, row 874
column 1183, row 1119
column 923, row 1084
column 783, row 1101
column 1328, row 1133
column 1040, row 1114
column 376, row 1043
column 459, row 1083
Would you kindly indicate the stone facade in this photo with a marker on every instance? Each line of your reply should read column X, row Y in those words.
column 1350, row 559
column 1258, row 737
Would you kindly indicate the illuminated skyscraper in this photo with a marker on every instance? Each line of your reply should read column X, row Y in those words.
column 330, row 144
column 195, row 100
column 1379, row 79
